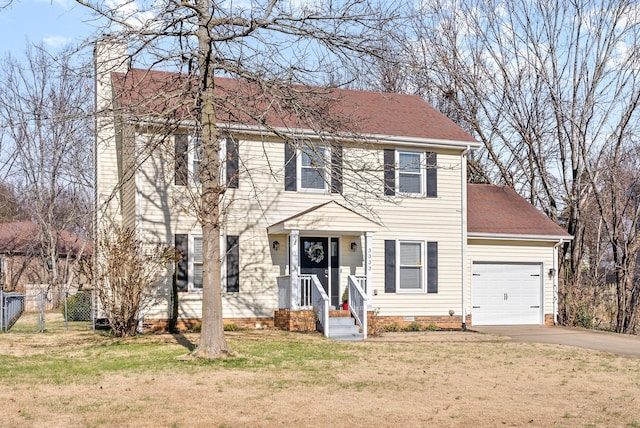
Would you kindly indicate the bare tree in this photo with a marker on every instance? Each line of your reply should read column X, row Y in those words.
column 127, row 271
column 270, row 46
column 548, row 87
column 45, row 121
column 11, row 208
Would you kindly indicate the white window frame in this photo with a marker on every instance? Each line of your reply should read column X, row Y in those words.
column 327, row 169
column 421, row 173
column 192, row 288
column 194, row 154
column 191, row 264
column 422, row 264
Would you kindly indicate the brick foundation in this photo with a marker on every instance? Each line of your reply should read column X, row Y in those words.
column 305, row 321
column 376, row 324
column 548, row 319
column 288, row 320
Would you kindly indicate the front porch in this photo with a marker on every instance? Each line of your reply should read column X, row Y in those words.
column 328, row 255
column 307, row 308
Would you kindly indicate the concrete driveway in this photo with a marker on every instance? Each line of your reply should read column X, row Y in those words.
column 620, row 344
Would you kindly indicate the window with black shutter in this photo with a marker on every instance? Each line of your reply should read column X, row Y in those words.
column 232, row 259
column 182, row 265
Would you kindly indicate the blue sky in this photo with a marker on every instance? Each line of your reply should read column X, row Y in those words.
column 53, row 23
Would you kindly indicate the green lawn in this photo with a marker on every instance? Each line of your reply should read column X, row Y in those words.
column 287, row 379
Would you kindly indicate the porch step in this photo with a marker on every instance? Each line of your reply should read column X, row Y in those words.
column 344, row 328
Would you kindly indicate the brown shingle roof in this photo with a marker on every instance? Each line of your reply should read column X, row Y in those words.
column 500, row 210
column 144, row 92
column 23, row 238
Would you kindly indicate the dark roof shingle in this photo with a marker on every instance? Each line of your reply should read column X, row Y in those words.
column 243, row 103
column 500, row 210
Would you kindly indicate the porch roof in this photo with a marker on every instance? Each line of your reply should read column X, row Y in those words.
column 331, row 217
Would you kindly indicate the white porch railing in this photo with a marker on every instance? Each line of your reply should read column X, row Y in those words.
column 361, row 280
column 311, row 296
column 320, row 303
column 358, row 303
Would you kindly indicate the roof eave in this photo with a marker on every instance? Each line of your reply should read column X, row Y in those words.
column 516, row 237
column 344, row 137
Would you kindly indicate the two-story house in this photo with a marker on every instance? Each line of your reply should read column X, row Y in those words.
column 378, row 203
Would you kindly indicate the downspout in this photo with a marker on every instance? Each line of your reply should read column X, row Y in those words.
column 555, row 281
column 463, row 179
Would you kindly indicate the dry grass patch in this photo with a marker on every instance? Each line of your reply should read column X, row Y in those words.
column 285, row 379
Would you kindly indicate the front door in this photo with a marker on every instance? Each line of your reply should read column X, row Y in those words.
column 314, row 259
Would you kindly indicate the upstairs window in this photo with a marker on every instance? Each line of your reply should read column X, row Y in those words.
column 188, row 159
column 410, row 172
column 313, row 168
column 195, row 145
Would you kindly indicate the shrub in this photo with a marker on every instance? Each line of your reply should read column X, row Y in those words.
column 432, row 327
column 414, row 326
column 232, row 327
column 126, row 274
column 583, row 317
column 392, row 327
column 78, row 307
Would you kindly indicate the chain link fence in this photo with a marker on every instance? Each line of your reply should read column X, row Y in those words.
column 51, row 311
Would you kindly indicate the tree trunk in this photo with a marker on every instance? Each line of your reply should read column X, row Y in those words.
column 212, row 341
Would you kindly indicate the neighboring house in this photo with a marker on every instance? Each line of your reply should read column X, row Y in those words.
column 23, row 261
column 381, row 208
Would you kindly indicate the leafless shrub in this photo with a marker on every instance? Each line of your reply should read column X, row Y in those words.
column 126, row 274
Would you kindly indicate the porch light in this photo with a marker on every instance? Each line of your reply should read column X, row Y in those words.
column 354, row 246
column 275, row 245
column 552, row 271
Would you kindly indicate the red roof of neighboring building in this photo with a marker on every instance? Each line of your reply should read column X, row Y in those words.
column 23, row 238
column 170, row 96
column 500, row 210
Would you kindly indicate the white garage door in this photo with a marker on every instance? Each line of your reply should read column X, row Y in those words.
column 506, row 294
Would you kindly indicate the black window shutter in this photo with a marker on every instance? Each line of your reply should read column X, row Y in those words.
column 336, row 169
column 290, row 167
column 182, row 265
column 389, row 266
column 432, row 267
column 432, row 174
column 389, row 172
column 233, row 264
column 182, row 168
column 232, row 162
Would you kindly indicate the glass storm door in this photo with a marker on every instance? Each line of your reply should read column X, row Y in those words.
column 314, row 259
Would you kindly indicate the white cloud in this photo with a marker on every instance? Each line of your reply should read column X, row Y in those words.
column 56, row 41
column 132, row 13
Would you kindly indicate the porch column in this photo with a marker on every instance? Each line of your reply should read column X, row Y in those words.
column 368, row 264
column 294, row 268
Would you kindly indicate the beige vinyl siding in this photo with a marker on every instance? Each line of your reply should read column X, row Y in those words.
column 502, row 251
column 108, row 143
column 107, row 173
column 261, row 201
column 129, row 192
